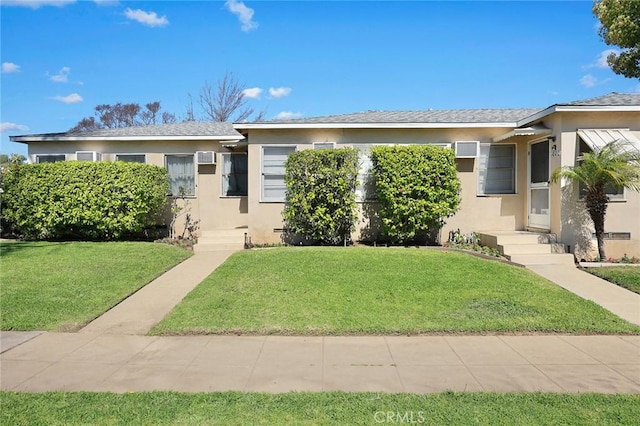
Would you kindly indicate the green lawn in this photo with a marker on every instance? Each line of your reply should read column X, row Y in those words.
column 328, row 408
column 625, row 276
column 62, row 286
column 341, row 291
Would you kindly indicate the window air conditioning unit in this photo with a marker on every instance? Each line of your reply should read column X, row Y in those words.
column 206, row 157
column 88, row 156
column 467, row 149
column 324, row 145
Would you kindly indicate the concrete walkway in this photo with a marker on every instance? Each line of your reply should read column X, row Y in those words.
column 620, row 301
column 118, row 363
column 138, row 313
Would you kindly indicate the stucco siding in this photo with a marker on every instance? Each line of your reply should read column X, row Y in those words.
column 574, row 227
column 495, row 212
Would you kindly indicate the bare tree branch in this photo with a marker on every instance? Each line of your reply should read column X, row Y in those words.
column 150, row 115
column 168, row 118
column 190, row 115
column 226, row 102
column 123, row 115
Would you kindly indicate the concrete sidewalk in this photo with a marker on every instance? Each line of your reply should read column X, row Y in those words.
column 138, row 313
column 420, row 364
column 620, row 301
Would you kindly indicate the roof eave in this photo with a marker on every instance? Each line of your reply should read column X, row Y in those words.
column 250, row 126
column 576, row 108
column 26, row 139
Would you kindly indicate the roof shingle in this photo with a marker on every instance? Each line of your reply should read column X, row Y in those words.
column 610, row 99
column 184, row 129
column 430, row 116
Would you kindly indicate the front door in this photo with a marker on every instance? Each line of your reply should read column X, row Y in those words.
column 539, row 185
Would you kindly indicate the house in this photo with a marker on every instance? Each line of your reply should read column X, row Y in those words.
column 234, row 174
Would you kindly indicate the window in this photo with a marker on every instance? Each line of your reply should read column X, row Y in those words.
column 273, row 159
column 131, row 158
column 52, row 158
column 234, row 174
column 87, row 156
column 613, row 192
column 497, row 169
column 181, row 173
column 366, row 189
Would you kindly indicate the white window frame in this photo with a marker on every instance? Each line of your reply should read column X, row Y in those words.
column 479, row 191
column 131, row 154
column 223, row 155
column 36, row 157
column 195, row 171
column 465, row 143
column 264, row 199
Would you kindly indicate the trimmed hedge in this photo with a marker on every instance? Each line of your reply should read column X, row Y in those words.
column 83, row 200
column 417, row 188
column 320, row 202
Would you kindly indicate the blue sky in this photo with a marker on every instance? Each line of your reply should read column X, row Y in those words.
column 61, row 58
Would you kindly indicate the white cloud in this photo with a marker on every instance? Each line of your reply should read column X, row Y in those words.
column 10, row 67
column 279, row 92
column 602, row 59
column 8, row 127
column 244, row 14
column 62, row 76
column 150, row 19
column 73, row 98
column 106, row 2
column 253, row 92
column 34, row 4
column 287, row 115
column 588, row 80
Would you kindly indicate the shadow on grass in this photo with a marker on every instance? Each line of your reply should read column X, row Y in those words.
column 11, row 247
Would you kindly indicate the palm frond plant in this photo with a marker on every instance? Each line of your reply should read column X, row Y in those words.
column 616, row 164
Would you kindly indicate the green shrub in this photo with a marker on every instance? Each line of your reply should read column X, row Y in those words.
column 321, row 204
column 417, row 188
column 83, row 200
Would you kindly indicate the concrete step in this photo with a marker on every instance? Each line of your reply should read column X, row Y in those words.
column 221, row 233
column 500, row 238
column 542, row 259
column 220, row 239
column 525, row 249
column 230, row 239
column 208, row 247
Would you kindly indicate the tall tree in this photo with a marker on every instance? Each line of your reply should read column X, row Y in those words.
column 617, row 164
column 226, row 101
column 621, row 27
column 107, row 116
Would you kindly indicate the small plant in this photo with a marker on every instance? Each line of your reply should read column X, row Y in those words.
column 185, row 243
column 181, row 205
column 469, row 242
column 624, row 259
column 251, row 245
